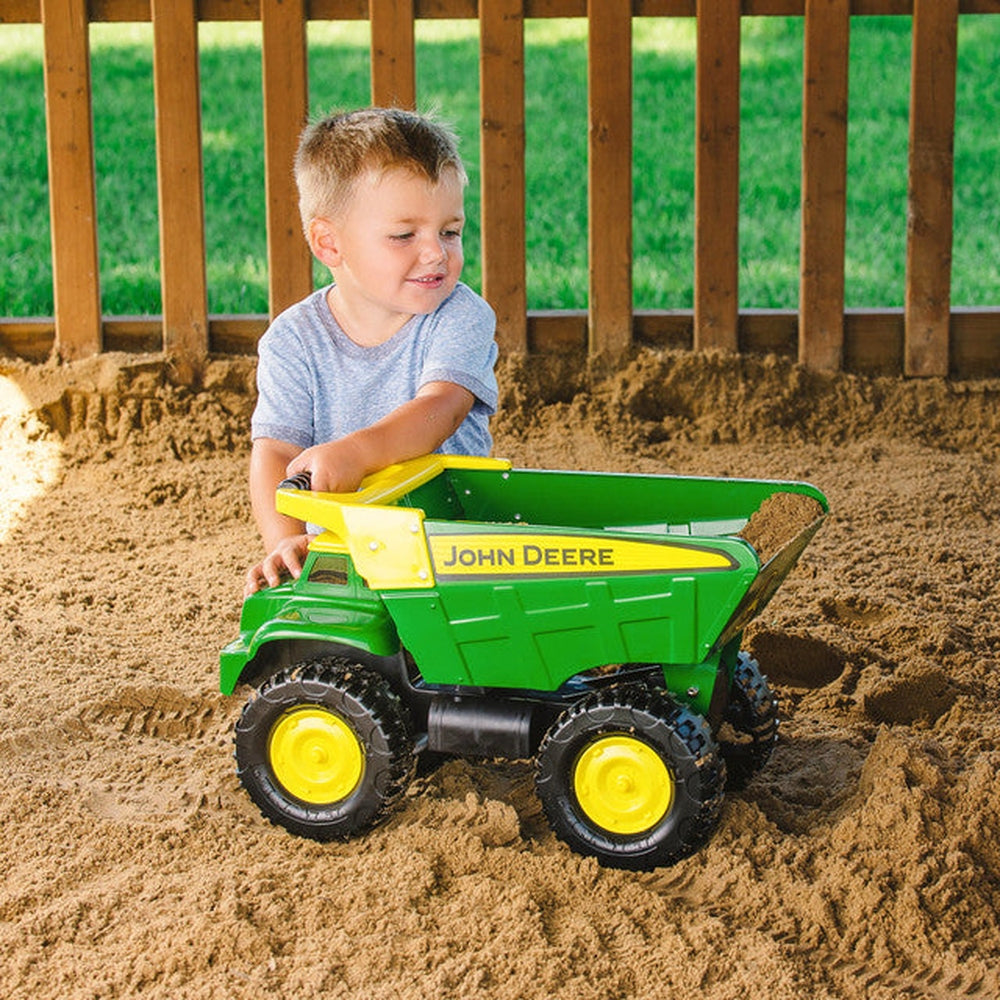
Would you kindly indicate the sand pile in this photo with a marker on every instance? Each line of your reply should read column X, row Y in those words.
column 863, row 862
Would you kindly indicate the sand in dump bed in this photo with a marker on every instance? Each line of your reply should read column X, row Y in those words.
column 778, row 520
column 864, row 861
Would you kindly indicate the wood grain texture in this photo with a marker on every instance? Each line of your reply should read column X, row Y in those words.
column 501, row 86
column 824, row 183
column 181, row 190
column 927, row 300
column 609, row 176
column 393, row 59
column 717, row 175
column 286, row 110
column 72, row 192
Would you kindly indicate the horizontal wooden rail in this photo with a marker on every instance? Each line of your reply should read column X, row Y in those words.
column 28, row 11
column 873, row 338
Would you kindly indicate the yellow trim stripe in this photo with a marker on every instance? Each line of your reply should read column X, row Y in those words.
column 522, row 554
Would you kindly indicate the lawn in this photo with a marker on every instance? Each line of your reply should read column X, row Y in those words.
column 555, row 67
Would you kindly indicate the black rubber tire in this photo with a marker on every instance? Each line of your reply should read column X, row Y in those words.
column 679, row 737
column 753, row 716
column 372, row 712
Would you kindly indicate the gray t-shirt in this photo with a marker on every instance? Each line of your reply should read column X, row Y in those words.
column 315, row 384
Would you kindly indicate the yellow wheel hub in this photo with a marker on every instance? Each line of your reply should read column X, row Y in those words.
column 315, row 755
column 622, row 785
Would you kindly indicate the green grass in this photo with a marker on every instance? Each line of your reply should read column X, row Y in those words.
column 556, row 137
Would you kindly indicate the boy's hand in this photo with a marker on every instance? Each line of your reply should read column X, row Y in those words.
column 286, row 559
column 335, row 467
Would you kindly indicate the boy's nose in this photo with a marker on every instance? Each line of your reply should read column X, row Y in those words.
column 433, row 249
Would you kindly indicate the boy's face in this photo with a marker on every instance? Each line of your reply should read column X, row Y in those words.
column 397, row 249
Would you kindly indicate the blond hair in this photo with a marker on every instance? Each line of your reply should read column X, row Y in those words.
column 335, row 151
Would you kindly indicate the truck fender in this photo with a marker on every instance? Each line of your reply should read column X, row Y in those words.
column 280, row 644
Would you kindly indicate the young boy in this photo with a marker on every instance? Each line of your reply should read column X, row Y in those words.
column 395, row 358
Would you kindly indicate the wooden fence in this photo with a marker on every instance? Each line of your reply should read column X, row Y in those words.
column 926, row 337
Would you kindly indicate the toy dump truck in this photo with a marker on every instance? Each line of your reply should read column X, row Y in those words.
column 455, row 605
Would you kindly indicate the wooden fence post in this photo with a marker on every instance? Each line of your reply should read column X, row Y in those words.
column 285, row 80
column 394, row 77
column 72, row 196
column 181, row 190
column 824, row 183
column 717, row 176
column 609, row 175
column 501, row 86
column 931, row 186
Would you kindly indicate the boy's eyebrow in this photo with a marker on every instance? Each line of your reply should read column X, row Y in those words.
column 410, row 221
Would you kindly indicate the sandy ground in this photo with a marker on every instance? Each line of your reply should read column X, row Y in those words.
column 864, row 861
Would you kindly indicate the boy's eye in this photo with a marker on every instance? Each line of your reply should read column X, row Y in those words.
column 446, row 234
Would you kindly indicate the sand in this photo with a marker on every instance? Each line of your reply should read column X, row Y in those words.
column 863, row 861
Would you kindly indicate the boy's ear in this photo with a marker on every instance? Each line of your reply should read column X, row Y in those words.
column 324, row 242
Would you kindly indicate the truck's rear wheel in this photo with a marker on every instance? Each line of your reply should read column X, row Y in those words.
column 630, row 777
column 752, row 717
column 324, row 748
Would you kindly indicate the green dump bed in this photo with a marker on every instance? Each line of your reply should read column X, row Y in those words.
column 519, row 578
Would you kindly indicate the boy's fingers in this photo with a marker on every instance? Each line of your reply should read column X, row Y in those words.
column 292, row 563
column 301, row 463
column 272, row 571
column 318, row 479
column 253, row 581
column 286, row 560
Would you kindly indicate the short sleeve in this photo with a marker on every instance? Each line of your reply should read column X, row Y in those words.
column 284, row 409
column 461, row 346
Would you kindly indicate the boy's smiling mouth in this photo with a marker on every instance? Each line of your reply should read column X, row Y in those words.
column 429, row 280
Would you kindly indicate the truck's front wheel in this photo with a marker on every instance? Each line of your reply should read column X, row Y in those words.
column 324, row 748
column 631, row 777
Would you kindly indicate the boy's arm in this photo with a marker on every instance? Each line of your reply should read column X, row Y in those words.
column 414, row 428
column 285, row 539
column 268, row 461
